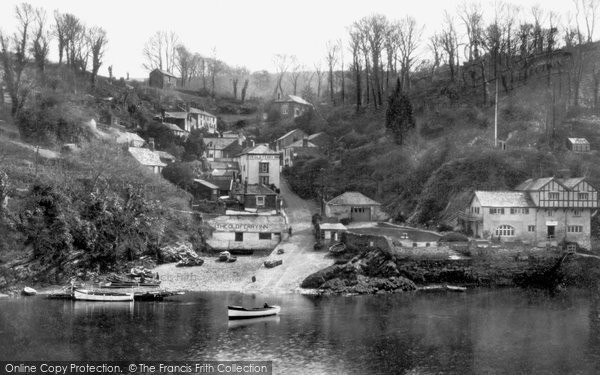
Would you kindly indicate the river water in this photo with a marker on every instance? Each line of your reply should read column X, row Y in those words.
column 510, row 331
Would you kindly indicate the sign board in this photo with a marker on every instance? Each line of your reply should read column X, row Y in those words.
column 249, row 223
column 264, row 157
column 551, row 223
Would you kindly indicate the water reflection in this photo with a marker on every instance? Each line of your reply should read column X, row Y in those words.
column 490, row 331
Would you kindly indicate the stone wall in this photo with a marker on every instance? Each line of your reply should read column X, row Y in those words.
column 361, row 242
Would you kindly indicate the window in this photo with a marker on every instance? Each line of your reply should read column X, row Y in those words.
column 284, row 109
column 263, row 180
column 475, row 210
column 505, row 230
column 575, row 228
column 514, row 211
column 549, row 212
column 263, row 167
column 531, row 228
column 553, row 195
column 583, row 196
column 264, row 236
column 260, row 200
column 576, row 212
column 497, row 211
column 239, row 236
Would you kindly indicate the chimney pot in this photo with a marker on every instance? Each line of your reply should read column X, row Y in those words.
column 151, row 143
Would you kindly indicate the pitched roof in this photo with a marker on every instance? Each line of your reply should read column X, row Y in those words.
column 352, row 198
column 534, row 183
column 218, row 143
column 290, row 133
column 222, row 183
column 209, row 185
column 201, row 112
column 127, row 137
column 258, row 149
column 146, row 156
column 165, row 72
column 504, row 199
column 180, row 115
column 218, row 164
column 579, row 141
column 173, row 127
column 313, row 136
column 165, row 155
column 295, row 99
column 300, row 143
column 332, row 226
column 254, row 189
column 570, row 183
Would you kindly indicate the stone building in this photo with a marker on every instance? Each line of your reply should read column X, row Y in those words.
column 162, row 79
column 247, row 232
column 354, row 206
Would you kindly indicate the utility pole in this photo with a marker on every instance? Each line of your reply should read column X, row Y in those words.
column 496, row 116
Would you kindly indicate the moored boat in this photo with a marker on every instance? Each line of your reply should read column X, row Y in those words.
column 239, row 312
column 93, row 295
column 27, row 291
column 273, row 263
column 337, row 248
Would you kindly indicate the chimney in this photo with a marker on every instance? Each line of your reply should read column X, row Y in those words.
column 240, row 139
column 278, row 96
column 151, row 143
column 246, row 185
column 305, row 142
column 252, row 142
column 162, row 114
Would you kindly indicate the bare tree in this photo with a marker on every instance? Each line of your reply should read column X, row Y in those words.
column 244, row 89
column 160, row 51
column 355, row 42
column 471, row 15
column 374, row 29
column 449, row 43
column 97, row 40
column 587, row 13
column 237, row 73
column 331, row 58
column 183, row 63
column 295, row 72
column 40, row 44
column 435, row 46
column 215, row 66
column 73, row 32
column 14, row 56
column 319, row 74
column 282, row 63
column 342, row 72
column 410, row 36
column 59, row 32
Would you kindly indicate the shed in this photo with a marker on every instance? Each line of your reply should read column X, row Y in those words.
column 331, row 232
column 354, row 206
column 147, row 158
column 162, row 79
column 578, row 144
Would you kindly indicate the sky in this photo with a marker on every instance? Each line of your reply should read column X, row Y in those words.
column 243, row 32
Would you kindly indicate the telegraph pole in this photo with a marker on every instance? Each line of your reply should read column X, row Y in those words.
column 496, row 116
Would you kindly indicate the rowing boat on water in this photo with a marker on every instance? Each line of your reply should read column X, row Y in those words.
column 92, row 295
column 239, row 312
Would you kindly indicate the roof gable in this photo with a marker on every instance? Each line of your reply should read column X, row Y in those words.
column 300, row 143
column 288, row 134
column 146, row 156
column 503, row 199
column 218, row 143
column 200, row 112
column 164, row 72
column 353, row 198
column 258, row 149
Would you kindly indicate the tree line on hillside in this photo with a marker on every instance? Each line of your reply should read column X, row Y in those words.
column 80, row 47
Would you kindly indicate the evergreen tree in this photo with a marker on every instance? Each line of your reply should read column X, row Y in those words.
column 398, row 117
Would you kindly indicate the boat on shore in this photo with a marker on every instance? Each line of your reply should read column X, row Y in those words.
column 93, row 295
column 239, row 312
column 273, row 263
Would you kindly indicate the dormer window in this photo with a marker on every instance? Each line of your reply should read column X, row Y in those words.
column 553, row 195
column 583, row 196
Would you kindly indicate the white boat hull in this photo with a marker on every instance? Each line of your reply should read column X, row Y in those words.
column 86, row 295
column 241, row 313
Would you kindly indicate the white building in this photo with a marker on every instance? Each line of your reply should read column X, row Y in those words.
column 247, row 232
column 541, row 211
column 259, row 165
column 202, row 120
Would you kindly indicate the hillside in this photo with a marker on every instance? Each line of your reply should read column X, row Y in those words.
column 427, row 178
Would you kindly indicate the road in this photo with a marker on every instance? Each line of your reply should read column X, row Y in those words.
column 299, row 257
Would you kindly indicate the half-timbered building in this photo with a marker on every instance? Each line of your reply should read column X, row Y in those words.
column 540, row 211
